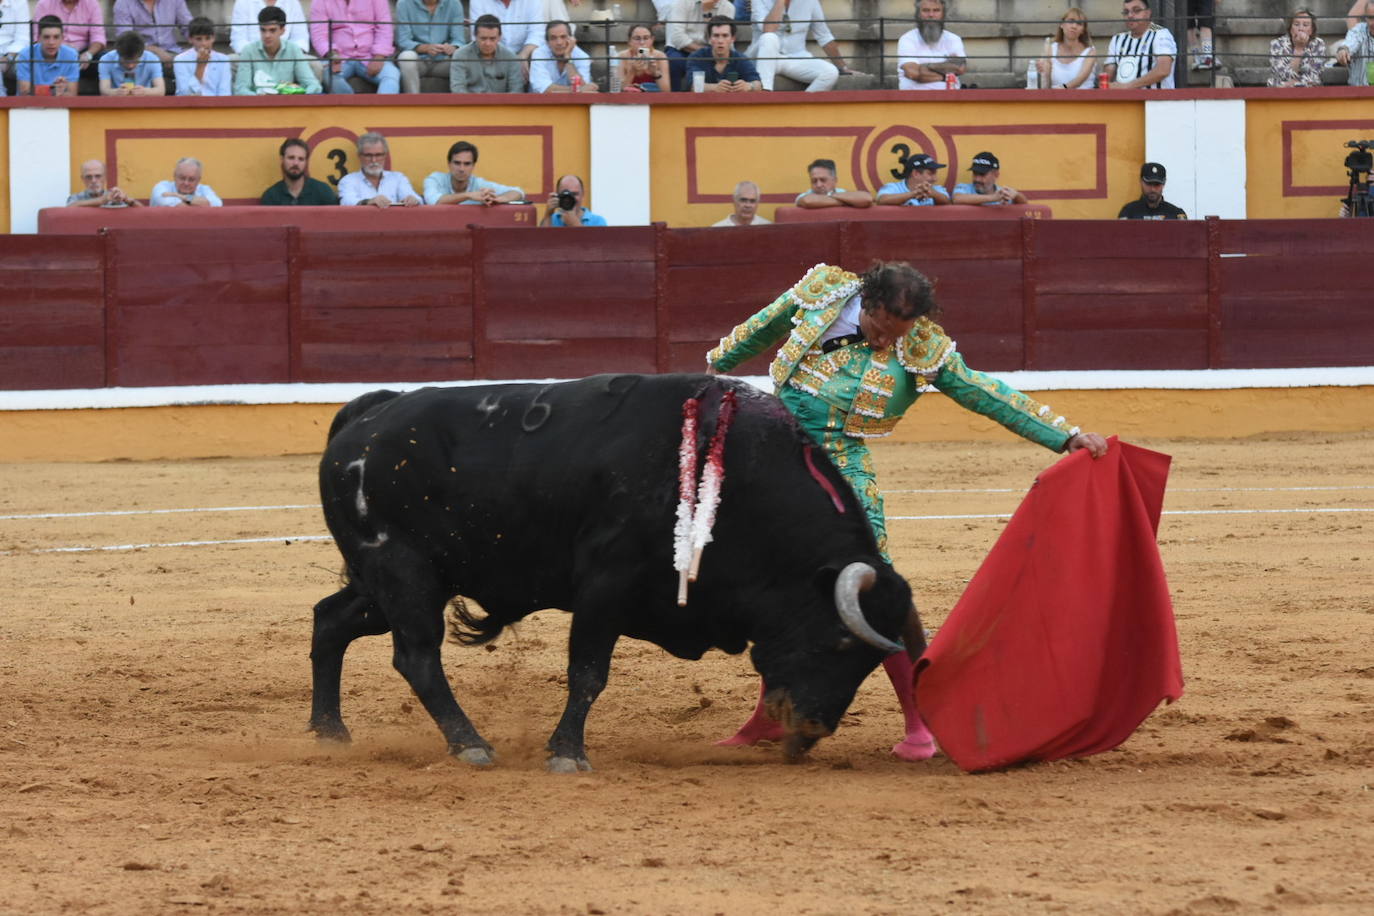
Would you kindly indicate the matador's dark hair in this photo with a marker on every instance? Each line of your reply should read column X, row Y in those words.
column 900, row 288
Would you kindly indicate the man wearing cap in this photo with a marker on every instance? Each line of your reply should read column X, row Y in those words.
column 918, row 188
column 984, row 189
column 1142, row 57
column 1151, row 204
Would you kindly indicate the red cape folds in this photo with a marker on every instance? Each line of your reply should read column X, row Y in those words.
column 1064, row 640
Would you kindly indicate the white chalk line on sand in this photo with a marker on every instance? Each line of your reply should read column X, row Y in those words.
column 122, row 512
column 288, row 538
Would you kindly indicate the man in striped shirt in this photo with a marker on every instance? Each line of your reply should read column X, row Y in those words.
column 1142, row 57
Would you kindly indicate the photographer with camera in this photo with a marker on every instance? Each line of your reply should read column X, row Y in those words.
column 641, row 67
column 564, row 206
column 725, row 69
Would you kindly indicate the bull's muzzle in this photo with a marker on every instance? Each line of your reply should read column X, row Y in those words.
column 799, row 735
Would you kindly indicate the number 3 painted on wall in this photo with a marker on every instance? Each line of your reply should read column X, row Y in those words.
column 340, row 159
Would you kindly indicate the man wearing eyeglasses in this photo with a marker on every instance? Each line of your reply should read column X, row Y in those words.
column 780, row 46
column 373, row 185
column 746, row 200
column 1142, row 57
column 1356, row 51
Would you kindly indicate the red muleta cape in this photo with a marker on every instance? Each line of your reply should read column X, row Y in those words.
column 1064, row 640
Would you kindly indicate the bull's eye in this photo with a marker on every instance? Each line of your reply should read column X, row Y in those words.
column 845, row 644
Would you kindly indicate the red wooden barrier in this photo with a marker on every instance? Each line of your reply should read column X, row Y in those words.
column 52, row 313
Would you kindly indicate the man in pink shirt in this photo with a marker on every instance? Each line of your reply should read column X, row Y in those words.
column 83, row 27
column 355, row 37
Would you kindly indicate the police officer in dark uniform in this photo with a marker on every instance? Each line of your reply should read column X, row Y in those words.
column 1151, row 204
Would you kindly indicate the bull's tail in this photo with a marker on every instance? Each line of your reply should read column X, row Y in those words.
column 467, row 628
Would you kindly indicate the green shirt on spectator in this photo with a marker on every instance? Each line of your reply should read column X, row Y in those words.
column 257, row 71
column 314, row 193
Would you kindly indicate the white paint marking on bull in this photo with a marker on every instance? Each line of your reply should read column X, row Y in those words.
column 361, row 500
column 381, row 539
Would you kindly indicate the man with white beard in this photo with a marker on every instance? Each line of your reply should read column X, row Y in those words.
column 373, row 185
column 928, row 53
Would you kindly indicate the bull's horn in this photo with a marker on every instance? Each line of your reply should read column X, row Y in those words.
column 856, row 578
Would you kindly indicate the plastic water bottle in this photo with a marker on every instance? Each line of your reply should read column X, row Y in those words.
column 614, row 68
column 1032, row 76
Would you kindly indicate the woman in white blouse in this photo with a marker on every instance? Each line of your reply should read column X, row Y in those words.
column 1070, row 58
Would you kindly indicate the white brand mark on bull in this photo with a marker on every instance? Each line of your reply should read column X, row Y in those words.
column 361, row 499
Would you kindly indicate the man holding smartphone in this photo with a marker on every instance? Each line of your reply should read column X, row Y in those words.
column 725, row 68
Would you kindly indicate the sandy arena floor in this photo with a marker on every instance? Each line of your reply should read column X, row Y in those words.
column 153, row 756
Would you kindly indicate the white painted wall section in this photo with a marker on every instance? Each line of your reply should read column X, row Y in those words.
column 619, row 182
column 1202, row 145
column 40, row 156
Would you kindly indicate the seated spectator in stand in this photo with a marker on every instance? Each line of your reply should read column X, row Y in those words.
column 14, row 35
column 687, row 24
column 131, row 69
column 564, row 206
column 185, row 188
column 96, row 194
column 296, row 188
column 1071, row 59
column 726, row 69
column 746, row 201
column 823, row 192
column 1151, row 204
column 1142, row 57
column 780, row 30
column 929, row 53
column 355, row 37
column 159, row 22
column 643, row 68
column 984, row 189
column 1201, row 16
column 273, row 64
column 1296, row 57
column 200, row 69
column 459, row 186
column 485, row 64
column 83, row 31
column 1356, row 51
column 522, row 24
column 247, row 17
column 373, row 185
column 918, row 188
column 560, row 65
column 48, row 63
column 428, row 33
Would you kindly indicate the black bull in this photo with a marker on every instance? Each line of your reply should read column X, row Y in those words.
column 528, row 496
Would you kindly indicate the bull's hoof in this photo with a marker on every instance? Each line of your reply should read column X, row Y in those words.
column 331, row 732
column 475, row 756
column 569, row 765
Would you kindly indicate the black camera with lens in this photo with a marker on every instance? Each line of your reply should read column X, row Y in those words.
column 566, row 200
column 1359, row 164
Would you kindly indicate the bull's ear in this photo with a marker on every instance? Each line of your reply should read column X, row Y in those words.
column 824, row 579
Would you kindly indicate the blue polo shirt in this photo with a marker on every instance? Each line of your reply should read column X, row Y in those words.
column 149, row 68
column 899, row 187
column 32, row 68
column 588, row 218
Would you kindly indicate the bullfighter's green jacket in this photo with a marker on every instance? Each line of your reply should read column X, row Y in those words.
column 874, row 388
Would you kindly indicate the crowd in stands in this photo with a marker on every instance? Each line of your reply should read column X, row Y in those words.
column 62, row 47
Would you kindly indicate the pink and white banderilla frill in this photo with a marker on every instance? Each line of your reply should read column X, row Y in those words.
column 698, row 500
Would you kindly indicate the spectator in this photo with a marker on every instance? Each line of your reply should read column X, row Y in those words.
column 355, row 37
column 96, row 194
column 687, row 27
column 522, row 24
column 1071, row 59
column 131, row 69
column 1356, row 51
column 296, row 188
column 157, row 21
column 373, row 185
column 485, row 64
column 984, row 189
column 1142, row 57
column 14, row 35
column 746, row 201
column 1151, row 204
column 185, row 188
column 561, row 66
column 917, row 188
column 246, row 21
column 1201, row 15
column 274, row 64
column 929, row 53
column 726, row 69
column 823, row 192
column 565, row 205
column 1296, row 57
column 200, row 69
column 49, row 62
column 83, row 27
column 780, row 31
column 429, row 33
column 642, row 67
column 459, row 186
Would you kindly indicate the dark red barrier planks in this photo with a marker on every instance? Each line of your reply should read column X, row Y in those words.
column 52, row 315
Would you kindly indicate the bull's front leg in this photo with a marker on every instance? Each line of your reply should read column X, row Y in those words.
column 590, row 645
column 339, row 619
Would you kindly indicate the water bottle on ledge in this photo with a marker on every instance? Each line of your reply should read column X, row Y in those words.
column 1032, row 75
column 613, row 68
